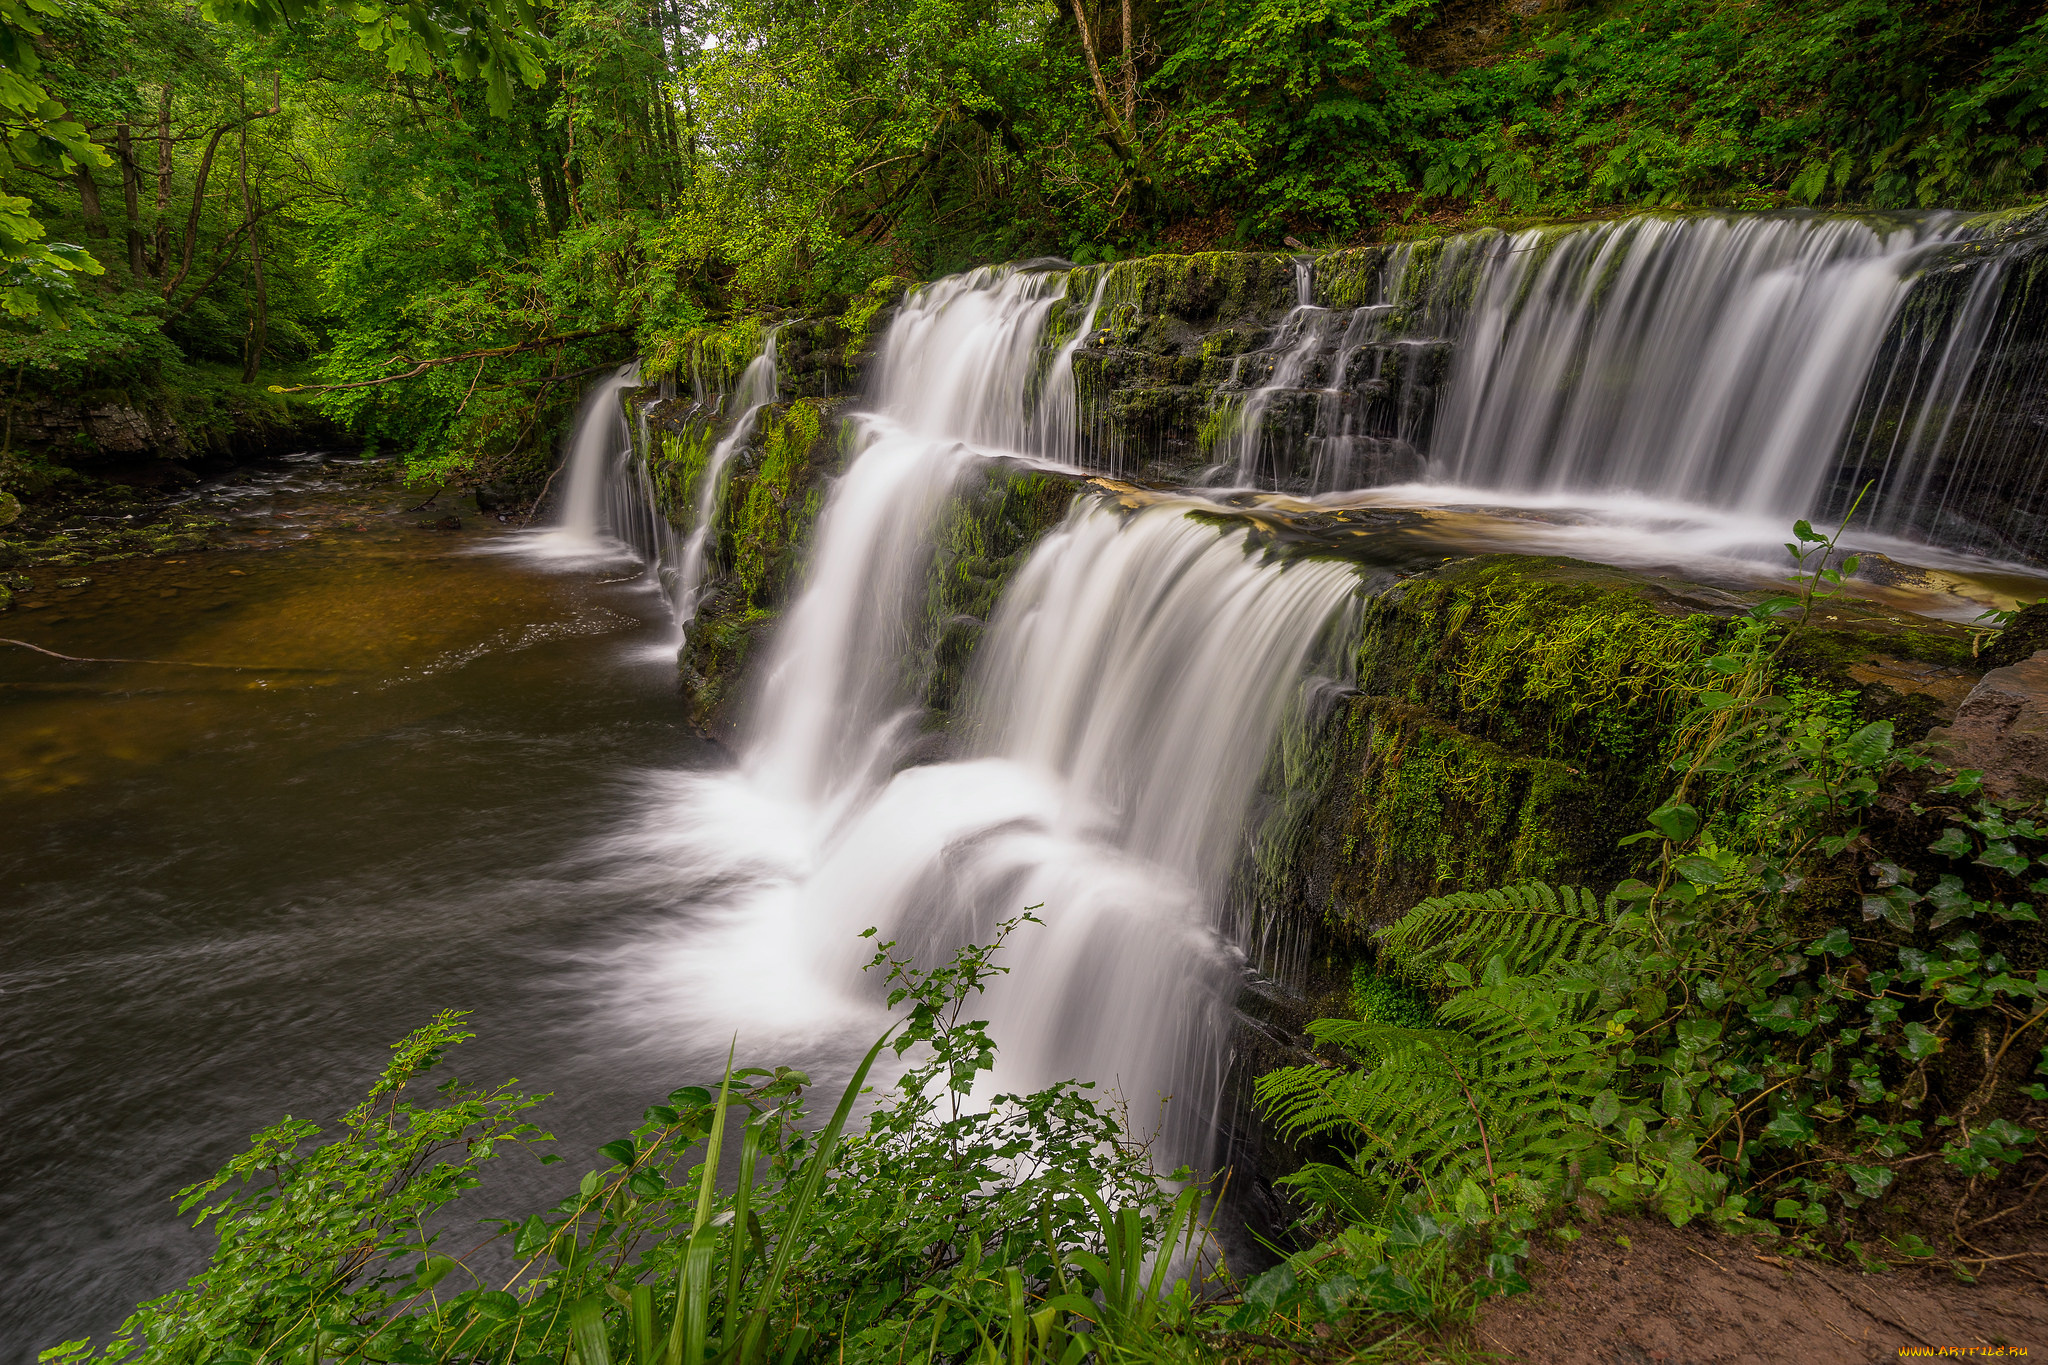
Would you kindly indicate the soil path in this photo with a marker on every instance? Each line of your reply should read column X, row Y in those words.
column 1677, row 1296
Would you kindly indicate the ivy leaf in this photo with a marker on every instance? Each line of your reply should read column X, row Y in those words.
column 1835, row 943
column 1891, row 907
column 1871, row 1181
column 1921, row 1042
column 1790, row 1127
column 2001, row 854
column 1953, row 843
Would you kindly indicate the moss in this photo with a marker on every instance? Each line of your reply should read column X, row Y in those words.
column 1203, row 286
column 715, row 355
column 763, row 525
column 768, row 523
column 1386, row 1000
column 986, row 532
column 864, row 310
column 1551, row 657
column 680, row 458
column 1432, row 809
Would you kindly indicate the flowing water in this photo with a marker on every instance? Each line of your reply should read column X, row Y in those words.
column 228, row 889
column 755, row 391
column 435, row 777
column 1763, row 367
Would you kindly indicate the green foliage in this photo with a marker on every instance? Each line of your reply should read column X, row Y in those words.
column 1532, row 929
column 938, row 1226
column 1379, row 999
column 1765, row 1024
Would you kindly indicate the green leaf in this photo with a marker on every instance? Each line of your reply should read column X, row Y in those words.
column 1834, row 943
column 1676, row 822
column 622, row 1151
column 1790, row 1127
column 1867, row 746
column 533, row 1235
column 1921, row 1041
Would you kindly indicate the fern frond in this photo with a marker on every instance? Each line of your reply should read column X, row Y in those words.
column 1486, row 1099
column 1532, row 928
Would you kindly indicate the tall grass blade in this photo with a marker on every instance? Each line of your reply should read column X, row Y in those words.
column 742, row 1199
column 799, row 1209
column 1013, row 1285
column 707, row 1186
column 695, row 1308
column 586, row 1331
column 642, row 1311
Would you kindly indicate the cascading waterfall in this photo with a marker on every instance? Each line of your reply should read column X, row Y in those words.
column 1118, row 718
column 1341, row 398
column 756, row 390
column 603, row 500
column 1744, row 367
column 1702, row 360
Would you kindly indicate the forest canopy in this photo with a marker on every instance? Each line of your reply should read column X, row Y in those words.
column 498, row 197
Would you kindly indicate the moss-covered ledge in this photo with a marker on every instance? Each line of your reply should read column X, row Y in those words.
column 1513, row 717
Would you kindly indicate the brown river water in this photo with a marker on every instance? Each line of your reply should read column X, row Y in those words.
column 225, row 890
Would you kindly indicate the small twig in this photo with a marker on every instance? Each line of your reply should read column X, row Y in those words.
column 534, row 510
column 168, row 663
column 430, row 500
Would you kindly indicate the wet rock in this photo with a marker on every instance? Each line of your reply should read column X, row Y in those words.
column 2002, row 730
column 448, row 523
column 10, row 509
column 2025, row 636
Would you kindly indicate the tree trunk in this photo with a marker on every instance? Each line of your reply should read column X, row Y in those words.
column 89, row 203
column 164, row 165
column 1130, row 56
column 191, row 242
column 259, row 302
column 1113, row 133
column 131, row 197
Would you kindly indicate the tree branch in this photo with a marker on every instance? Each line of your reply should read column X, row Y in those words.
column 488, row 352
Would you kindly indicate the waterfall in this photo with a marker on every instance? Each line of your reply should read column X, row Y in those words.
column 1705, row 360
column 603, row 499
column 1748, row 369
column 1118, row 715
column 756, row 390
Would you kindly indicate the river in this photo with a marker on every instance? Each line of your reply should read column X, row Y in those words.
column 228, row 890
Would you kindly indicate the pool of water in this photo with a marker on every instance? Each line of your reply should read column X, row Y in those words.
column 345, row 772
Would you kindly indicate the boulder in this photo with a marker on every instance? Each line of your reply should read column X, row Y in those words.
column 2002, row 729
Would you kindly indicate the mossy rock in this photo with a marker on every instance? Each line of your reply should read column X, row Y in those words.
column 1204, row 286
column 765, row 519
column 1515, row 717
column 988, row 529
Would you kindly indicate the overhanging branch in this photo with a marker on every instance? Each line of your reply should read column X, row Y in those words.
column 486, row 353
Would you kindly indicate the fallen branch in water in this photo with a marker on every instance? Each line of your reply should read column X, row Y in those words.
column 168, row 663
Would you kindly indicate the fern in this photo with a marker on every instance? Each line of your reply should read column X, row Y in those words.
column 1531, row 928
column 1483, row 1100
column 1485, row 1096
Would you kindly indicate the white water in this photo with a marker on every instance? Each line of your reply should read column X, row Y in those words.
column 597, row 506
column 1709, row 360
column 755, row 390
column 1117, row 719
column 1725, row 364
